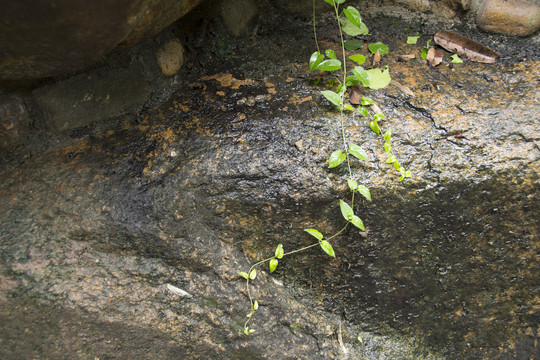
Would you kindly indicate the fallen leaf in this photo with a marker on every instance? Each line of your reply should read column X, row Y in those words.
column 405, row 89
column 462, row 45
column 355, row 96
column 376, row 58
column 434, row 57
column 376, row 109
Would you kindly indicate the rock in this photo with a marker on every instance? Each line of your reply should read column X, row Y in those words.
column 170, row 58
column 510, row 17
column 42, row 39
column 237, row 14
column 98, row 95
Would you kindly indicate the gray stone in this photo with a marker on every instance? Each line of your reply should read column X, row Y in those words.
column 237, row 14
column 93, row 96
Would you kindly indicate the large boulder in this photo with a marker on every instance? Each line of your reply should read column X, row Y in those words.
column 42, row 38
column 128, row 243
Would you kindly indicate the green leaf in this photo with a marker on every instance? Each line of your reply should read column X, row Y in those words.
column 363, row 111
column 333, row 97
column 379, row 117
column 253, row 274
column 357, row 152
column 358, row 58
column 362, row 75
column 346, row 210
column 248, row 331
column 243, row 274
column 331, row 2
column 378, row 79
column 340, row 1
column 396, row 165
column 356, row 221
column 391, row 159
column 325, row 245
column 383, row 48
column 353, row 30
column 330, row 53
column 336, row 158
column 348, row 107
column 411, row 40
column 353, row 185
column 455, row 59
column 375, row 127
column 315, row 60
column 279, row 251
column 364, row 191
column 424, row 52
column 255, row 305
column 366, row 100
column 351, row 80
column 353, row 44
column 329, row 65
column 314, row 233
column 388, row 135
column 353, row 15
column 273, row 264
column 387, row 147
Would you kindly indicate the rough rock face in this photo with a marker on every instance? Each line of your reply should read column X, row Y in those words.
column 126, row 243
column 40, row 39
column 512, row 17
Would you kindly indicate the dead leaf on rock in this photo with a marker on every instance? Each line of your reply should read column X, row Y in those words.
column 434, row 57
column 376, row 58
column 355, row 96
column 405, row 89
column 462, row 45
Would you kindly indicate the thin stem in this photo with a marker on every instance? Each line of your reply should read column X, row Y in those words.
column 315, row 29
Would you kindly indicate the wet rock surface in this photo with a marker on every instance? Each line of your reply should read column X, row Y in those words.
column 97, row 227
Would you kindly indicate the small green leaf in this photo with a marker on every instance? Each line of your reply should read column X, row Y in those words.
column 358, row 58
column 315, row 60
column 273, row 265
column 375, row 127
column 314, row 233
column 325, row 245
column 455, row 59
column 353, row 15
column 353, row 44
column 357, row 152
column 391, row 159
column 362, row 75
column 255, row 305
column 330, row 53
column 346, row 210
column 340, row 1
column 331, row 2
column 244, row 274
column 388, row 135
column 378, row 79
column 248, row 331
column 336, row 158
column 379, row 117
column 396, row 165
column 348, row 107
column 353, row 30
column 359, row 338
column 356, row 221
column 353, row 185
column 383, row 48
column 411, row 40
column 363, row 111
column 387, row 147
column 253, row 274
column 351, row 80
column 329, row 65
column 364, row 191
column 366, row 100
column 333, row 97
column 424, row 52
column 249, row 315
column 279, row 251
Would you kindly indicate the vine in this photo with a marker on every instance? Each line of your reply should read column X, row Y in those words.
column 349, row 22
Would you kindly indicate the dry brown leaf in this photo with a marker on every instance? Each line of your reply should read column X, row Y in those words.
column 376, row 58
column 462, row 45
column 355, row 96
column 434, row 57
column 405, row 89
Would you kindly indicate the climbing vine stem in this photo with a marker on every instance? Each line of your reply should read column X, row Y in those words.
column 350, row 23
